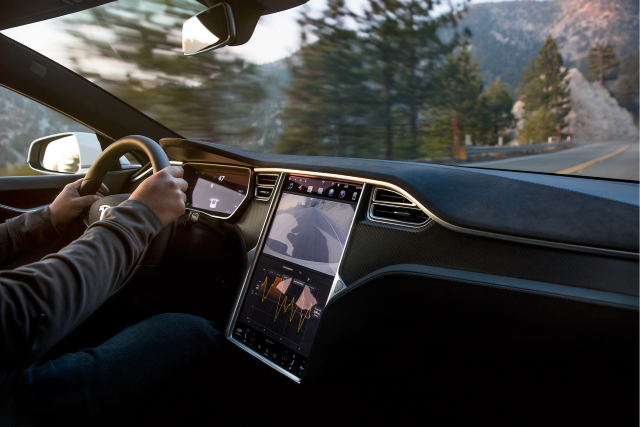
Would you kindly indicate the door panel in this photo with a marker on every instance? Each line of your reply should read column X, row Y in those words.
column 28, row 192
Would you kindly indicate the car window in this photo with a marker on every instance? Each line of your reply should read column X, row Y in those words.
column 22, row 121
column 509, row 85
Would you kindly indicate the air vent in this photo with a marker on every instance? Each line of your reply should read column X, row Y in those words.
column 382, row 195
column 396, row 214
column 393, row 208
column 265, row 183
column 266, row 180
column 263, row 192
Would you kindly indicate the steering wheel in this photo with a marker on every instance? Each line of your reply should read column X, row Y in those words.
column 152, row 254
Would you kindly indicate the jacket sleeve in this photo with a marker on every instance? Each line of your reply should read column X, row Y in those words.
column 20, row 235
column 41, row 303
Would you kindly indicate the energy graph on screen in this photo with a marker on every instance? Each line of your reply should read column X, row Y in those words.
column 284, row 305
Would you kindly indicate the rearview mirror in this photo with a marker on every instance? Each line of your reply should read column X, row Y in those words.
column 208, row 30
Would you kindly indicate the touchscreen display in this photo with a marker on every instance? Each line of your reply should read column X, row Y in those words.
column 295, row 270
column 219, row 192
column 310, row 232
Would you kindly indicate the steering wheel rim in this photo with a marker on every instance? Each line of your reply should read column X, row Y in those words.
column 100, row 168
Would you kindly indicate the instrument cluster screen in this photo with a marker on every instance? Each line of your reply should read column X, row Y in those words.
column 216, row 192
column 295, row 270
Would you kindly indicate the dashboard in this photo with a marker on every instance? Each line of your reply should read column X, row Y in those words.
column 318, row 246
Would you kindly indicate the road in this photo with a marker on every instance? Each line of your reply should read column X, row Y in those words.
column 618, row 160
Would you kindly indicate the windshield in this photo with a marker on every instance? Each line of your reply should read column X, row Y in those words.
column 540, row 86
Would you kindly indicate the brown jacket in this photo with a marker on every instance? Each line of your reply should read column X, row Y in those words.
column 41, row 303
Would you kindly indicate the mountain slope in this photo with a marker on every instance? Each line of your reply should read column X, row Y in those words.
column 507, row 35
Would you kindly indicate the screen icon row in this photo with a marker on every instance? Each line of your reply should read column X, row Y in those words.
column 342, row 191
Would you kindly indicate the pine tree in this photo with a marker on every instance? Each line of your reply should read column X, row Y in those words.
column 460, row 92
column 601, row 58
column 404, row 49
column 421, row 52
column 498, row 101
column 627, row 92
column 545, row 83
column 332, row 105
column 539, row 127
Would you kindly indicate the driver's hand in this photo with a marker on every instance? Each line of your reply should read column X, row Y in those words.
column 163, row 192
column 69, row 204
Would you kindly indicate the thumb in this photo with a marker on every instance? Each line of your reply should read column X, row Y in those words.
column 85, row 201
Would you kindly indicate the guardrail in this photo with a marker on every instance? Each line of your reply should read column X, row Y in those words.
column 472, row 149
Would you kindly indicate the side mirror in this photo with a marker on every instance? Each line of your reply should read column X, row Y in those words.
column 65, row 153
column 208, row 30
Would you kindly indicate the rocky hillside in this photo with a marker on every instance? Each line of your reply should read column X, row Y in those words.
column 595, row 115
column 506, row 35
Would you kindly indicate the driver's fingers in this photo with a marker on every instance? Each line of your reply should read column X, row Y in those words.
column 175, row 171
column 85, row 201
column 76, row 184
column 182, row 184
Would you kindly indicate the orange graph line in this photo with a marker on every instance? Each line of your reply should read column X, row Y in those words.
column 283, row 304
column 286, row 306
column 264, row 285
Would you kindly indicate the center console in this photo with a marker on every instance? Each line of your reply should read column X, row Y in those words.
column 293, row 273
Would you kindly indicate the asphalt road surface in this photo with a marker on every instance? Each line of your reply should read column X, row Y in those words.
column 618, row 160
column 305, row 234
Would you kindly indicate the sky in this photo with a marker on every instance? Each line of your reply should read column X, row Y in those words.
column 276, row 36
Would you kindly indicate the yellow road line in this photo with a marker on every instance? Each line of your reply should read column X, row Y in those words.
column 581, row 166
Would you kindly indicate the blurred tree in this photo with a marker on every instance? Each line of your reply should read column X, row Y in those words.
column 137, row 56
column 499, row 102
column 332, row 106
column 23, row 120
column 460, row 91
column 403, row 50
column 627, row 92
column 601, row 58
column 359, row 92
column 539, row 127
column 545, row 83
